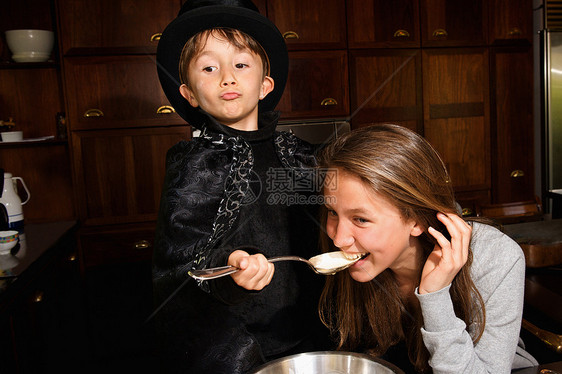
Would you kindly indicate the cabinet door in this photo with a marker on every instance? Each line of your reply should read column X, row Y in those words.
column 109, row 26
column 510, row 21
column 383, row 23
column 48, row 320
column 456, row 113
column 512, row 120
column 116, row 91
column 119, row 173
column 307, row 24
column 38, row 88
column 453, row 23
column 387, row 87
column 317, row 85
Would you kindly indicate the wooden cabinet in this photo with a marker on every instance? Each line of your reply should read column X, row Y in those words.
column 108, row 26
column 306, row 24
column 387, row 87
column 119, row 173
column 453, row 23
column 317, row 85
column 510, row 21
column 41, row 316
column 31, row 95
column 383, row 24
column 456, row 113
column 127, row 93
column 512, row 123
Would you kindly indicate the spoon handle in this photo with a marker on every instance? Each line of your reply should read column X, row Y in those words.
column 221, row 271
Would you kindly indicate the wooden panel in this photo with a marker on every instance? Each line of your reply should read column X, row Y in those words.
column 383, row 23
column 45, row 168
column 387, row 87
column 458, row 79
column 115, row 244
column 314, row 78
column 510, row 21
column 453, row 23
column 512, row 124
column 317, row 26
column 39, row 88
column 108, row 26
column 125, row 89
column 120, row 172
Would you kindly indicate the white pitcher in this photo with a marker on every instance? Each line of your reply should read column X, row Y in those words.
column 12, row 201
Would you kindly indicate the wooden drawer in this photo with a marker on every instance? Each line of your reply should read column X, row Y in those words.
column 118, row 244
column 126, row 93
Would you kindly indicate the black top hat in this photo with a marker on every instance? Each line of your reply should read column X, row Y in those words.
column 199, row 15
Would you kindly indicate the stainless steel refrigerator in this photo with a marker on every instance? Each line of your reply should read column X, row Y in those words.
column 551, row 56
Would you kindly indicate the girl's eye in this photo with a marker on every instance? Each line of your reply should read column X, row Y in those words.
column 332, row 213
column 209, row 69
column 361, row 220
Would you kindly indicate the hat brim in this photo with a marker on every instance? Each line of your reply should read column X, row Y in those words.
column 190, row 23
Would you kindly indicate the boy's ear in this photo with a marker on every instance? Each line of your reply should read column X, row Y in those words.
column 266, row 87
column 186, row 92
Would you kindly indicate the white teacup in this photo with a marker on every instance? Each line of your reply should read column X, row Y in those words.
column 8, row 240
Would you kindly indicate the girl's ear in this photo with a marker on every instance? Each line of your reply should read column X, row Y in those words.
column 186, row 92
column 417, row 230
column 266, row 87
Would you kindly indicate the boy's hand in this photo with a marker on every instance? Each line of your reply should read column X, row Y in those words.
column 448, row 257
column 255, row 271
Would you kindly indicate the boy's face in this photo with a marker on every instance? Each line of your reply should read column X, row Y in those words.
column 227, row 83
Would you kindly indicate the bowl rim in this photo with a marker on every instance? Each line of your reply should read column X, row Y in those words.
column 389, row 365
column 28, row 30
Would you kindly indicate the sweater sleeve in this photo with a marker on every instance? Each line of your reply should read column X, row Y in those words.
column 500, row 281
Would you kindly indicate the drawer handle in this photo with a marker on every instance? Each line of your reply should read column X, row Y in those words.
column 71, row 257
column 466, row 212
column 165, row 109
column 142, row 244
column 440, row 33
column 38, row 297
column 329, row 101
column 517, row 174
column 93, row 113
column 156, row 37
column 401, row 34
column 516, row 31
column 290, row 35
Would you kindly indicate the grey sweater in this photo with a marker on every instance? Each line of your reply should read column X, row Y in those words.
column 498, row 272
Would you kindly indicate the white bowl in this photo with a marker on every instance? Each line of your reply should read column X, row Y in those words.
column 30, row 45
column 8, row 240
column 12, row 136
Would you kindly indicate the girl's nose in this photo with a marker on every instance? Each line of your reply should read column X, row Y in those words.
column 342, row 237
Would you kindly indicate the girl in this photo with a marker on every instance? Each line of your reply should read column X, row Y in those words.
column 445, row 293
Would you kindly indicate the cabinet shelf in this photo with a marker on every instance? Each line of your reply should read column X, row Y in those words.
column 32, row 142
column 28, row 65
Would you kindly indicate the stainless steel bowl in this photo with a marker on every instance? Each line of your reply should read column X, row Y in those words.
column 328, row 363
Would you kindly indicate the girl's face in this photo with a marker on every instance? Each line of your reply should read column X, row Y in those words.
column 361, row 221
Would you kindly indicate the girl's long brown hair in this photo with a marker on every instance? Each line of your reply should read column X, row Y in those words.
column 404, row 168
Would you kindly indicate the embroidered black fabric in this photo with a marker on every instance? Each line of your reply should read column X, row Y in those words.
column 216, row 197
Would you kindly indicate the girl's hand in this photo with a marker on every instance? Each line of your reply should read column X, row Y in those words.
column 255, row 271
column 447, row 258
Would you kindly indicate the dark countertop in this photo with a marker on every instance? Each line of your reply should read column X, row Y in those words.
column 40, row 244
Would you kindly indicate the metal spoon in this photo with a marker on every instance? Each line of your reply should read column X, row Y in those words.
column 316, row 263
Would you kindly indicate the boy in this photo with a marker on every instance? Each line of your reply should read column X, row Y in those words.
column 223, row 68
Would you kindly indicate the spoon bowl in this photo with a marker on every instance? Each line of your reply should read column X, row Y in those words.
column 325, row 264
